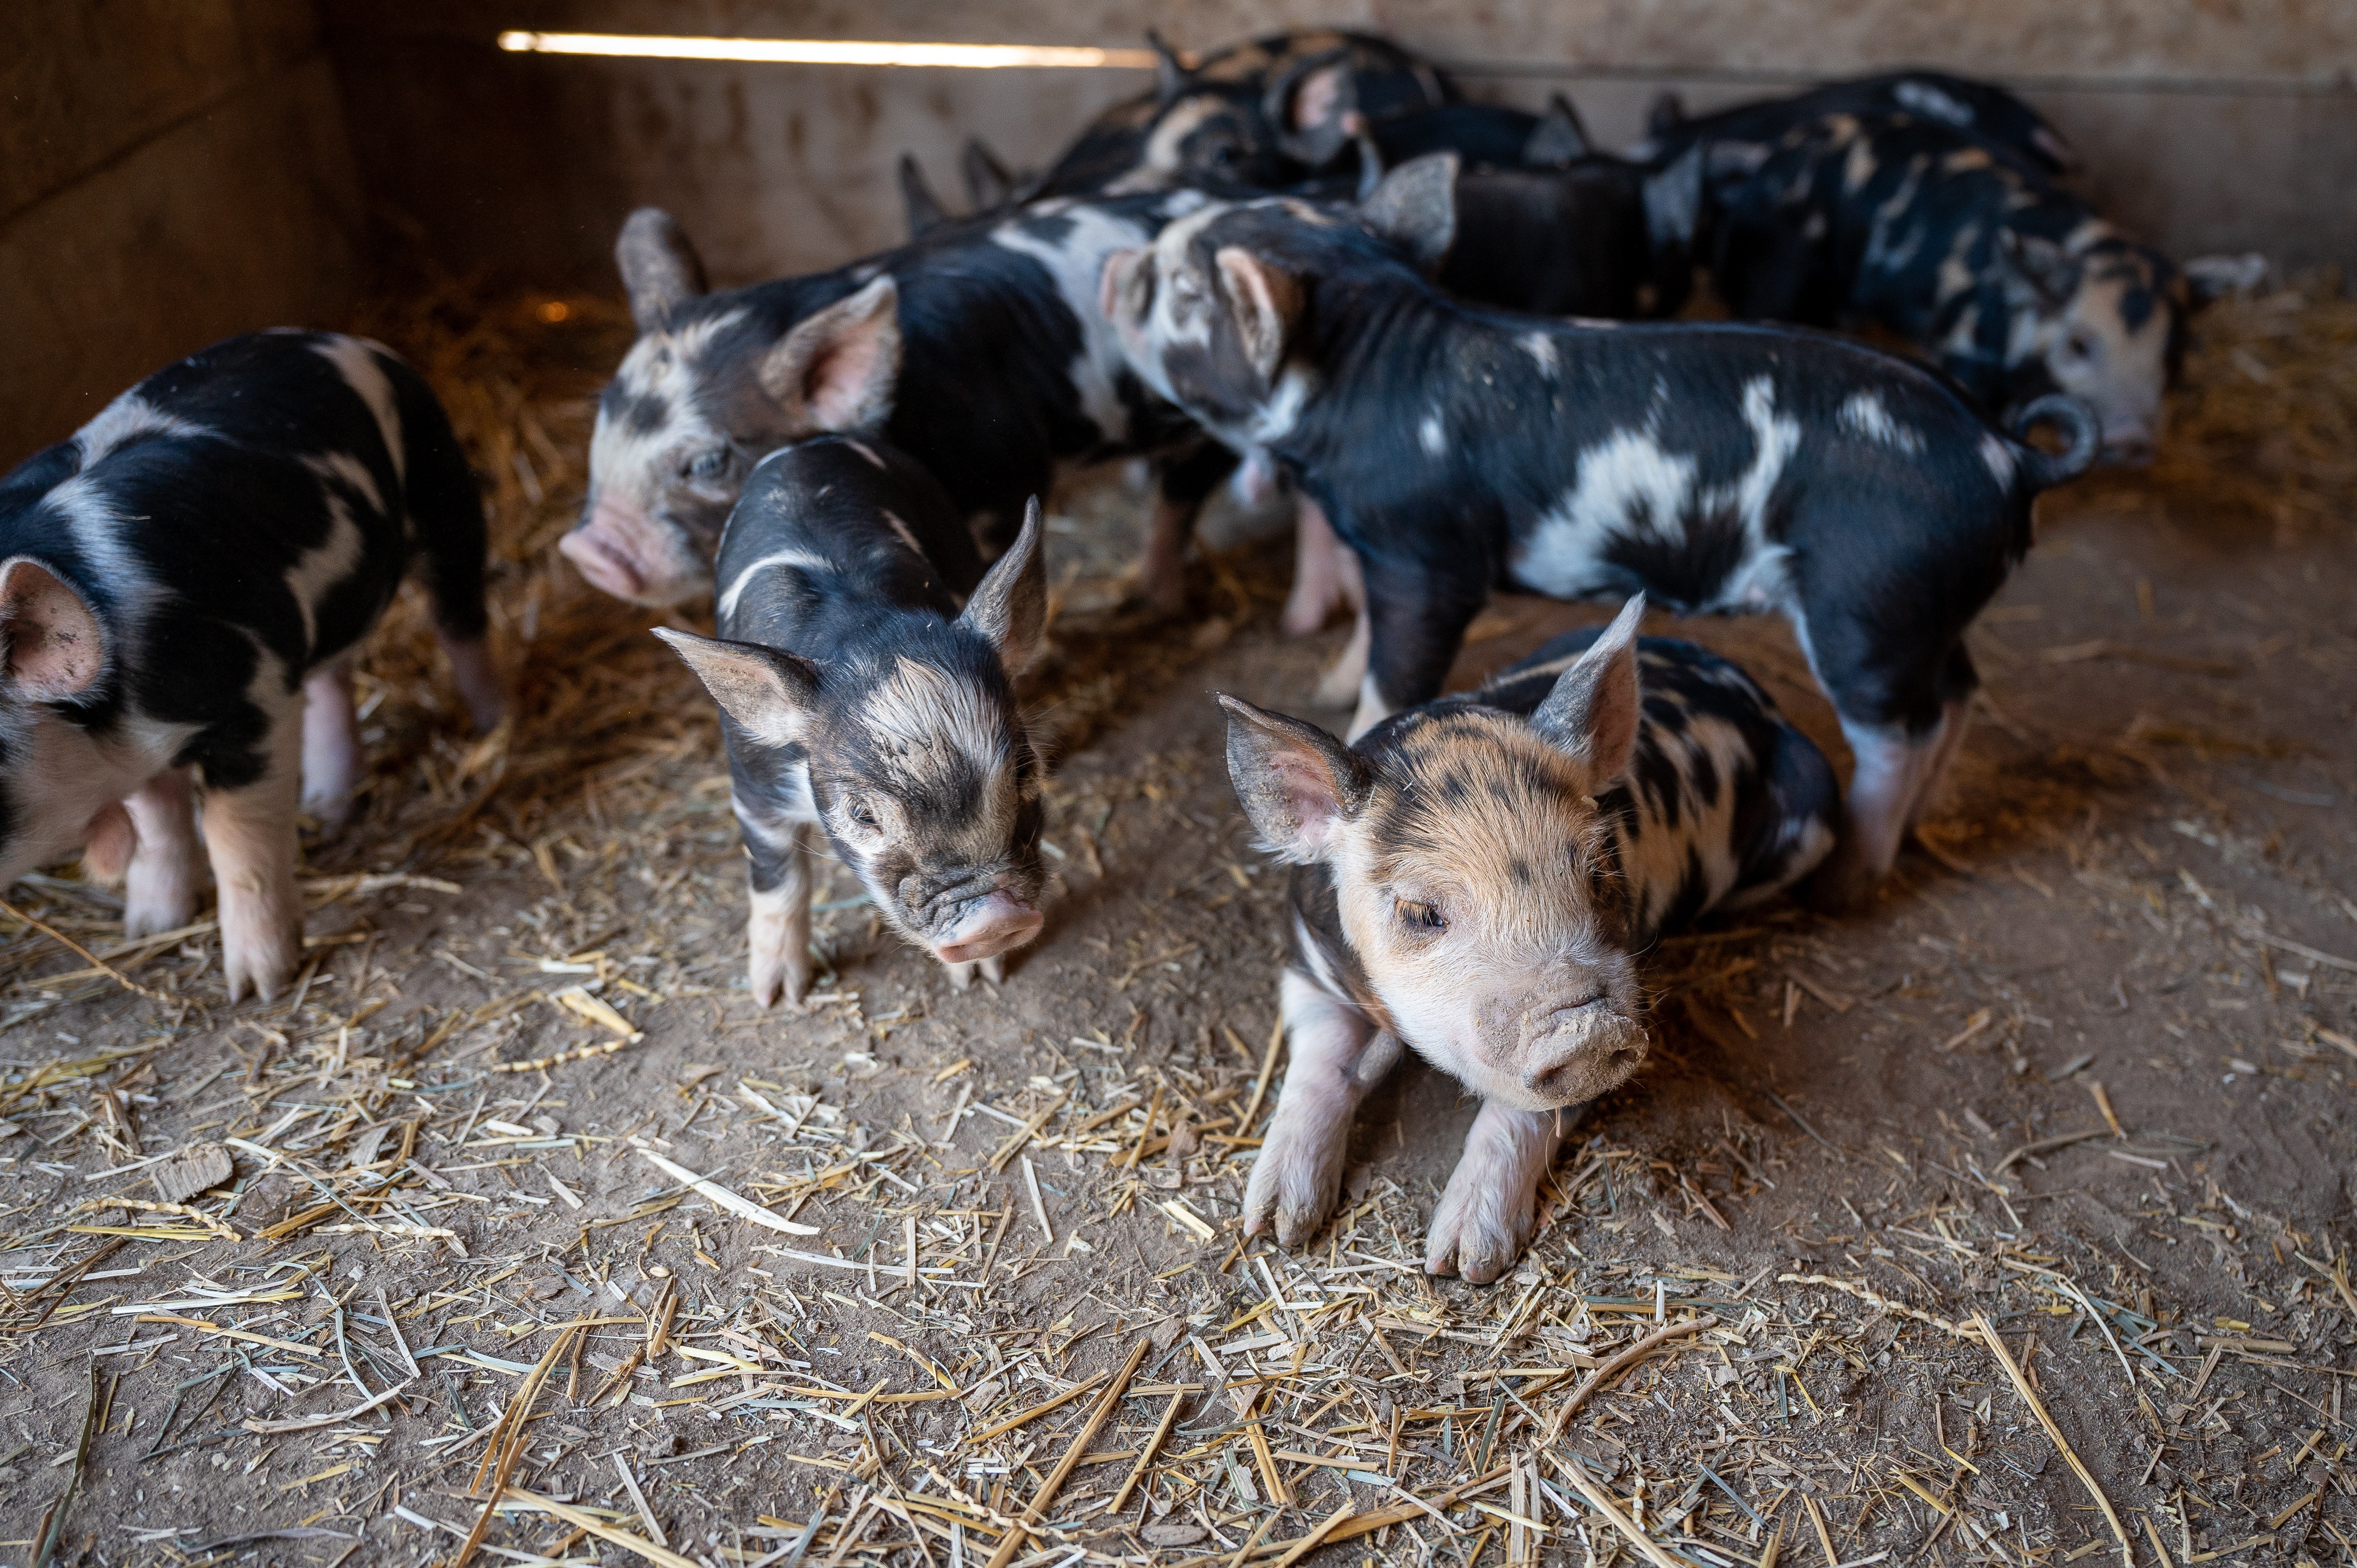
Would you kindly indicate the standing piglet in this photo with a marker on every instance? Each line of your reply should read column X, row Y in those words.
column 182, row 585
column 1718, row 467
column 856, row 697
column 1476, row 877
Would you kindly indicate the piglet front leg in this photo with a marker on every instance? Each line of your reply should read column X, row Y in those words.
column 1338, row 1056
column 1491, row 1206
column 993, row 970
column 250, row 833
column 776, row 935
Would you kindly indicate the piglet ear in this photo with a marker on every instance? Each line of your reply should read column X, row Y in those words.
column 839, row 368
column 925, row 209
column 56, row 648
column 1010, row 607
column 1592, row 711
column 988, row 184
column 1560, row 137
column 660, row 268
column 1265, row 300
column 1297, row 783
column 2042, row 263
column 1169, row 72
column 1415, row 207
column 770, row 693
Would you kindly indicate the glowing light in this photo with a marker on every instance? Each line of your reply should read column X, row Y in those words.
column 828, row 51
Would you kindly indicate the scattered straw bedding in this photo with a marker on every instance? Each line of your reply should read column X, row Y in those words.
column 570, row 1399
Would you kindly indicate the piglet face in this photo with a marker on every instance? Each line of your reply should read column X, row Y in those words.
column 928, row 786
column 1211, row 314
column 706, row 392
column 1477, row 891
column 919, row 766
column 1474, row 873
column 2107, row 327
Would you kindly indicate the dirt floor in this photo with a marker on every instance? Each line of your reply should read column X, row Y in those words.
column 315, row 1282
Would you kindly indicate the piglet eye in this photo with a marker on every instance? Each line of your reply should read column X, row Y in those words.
column 1420, row 916
column 709, row 465
column 2080, row 344
column 863, row 814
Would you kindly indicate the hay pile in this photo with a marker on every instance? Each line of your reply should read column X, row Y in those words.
column 2263, row 429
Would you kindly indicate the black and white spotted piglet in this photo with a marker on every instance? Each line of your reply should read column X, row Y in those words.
column 856, row 697
column 182, row 585
column 1718, row 467
column 1476, row 877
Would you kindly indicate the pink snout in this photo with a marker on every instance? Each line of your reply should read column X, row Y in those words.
column 993, row 925
column 602, row 559
column 1576, row 1052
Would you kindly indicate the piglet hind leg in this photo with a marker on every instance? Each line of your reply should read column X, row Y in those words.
column 1338, row 1056
column 250, row 834
column 1893, row 774
column 478, row 679
column 331, row 745
column 167, row 868
column 1491, row 1206
column 778, row 931
column 1340, row 684
column 1325, row 572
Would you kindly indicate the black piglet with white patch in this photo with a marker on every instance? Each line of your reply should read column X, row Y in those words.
column 182, row 585
column 857, row 698
column 1476, row 876
column 1716, row 468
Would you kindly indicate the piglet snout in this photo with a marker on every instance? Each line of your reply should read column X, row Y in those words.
column 602, row 558
column 1579, row 1050
column 996, row 923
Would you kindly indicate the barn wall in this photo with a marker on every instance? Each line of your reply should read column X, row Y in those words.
column 171, row 171
column 2212, row 125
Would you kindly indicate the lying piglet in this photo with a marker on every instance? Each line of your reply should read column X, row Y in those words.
column 856, row 696
column 182, row 585
column 1477, row 875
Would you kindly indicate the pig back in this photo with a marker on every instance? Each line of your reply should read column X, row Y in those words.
column 1553, row 242
column 861, row 525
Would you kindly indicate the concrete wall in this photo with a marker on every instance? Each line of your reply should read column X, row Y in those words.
column 171, row 171
column 2210, row 125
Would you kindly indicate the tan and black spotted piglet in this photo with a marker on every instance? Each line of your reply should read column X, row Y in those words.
column 1476, row 876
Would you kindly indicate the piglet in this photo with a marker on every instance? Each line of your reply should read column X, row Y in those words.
column 182, row 586
column 1476, row 879
column 856, row 697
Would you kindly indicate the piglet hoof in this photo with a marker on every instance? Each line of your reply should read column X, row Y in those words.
column 478, row 680
column 776, row 973
column 1841, row 887
column 1298, row 1177
column 331, row 812
column 262, row 940
column 1477, row 1235
column 961, row 974
column 1164, row 597
column 994, row 969
column 161, row 892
